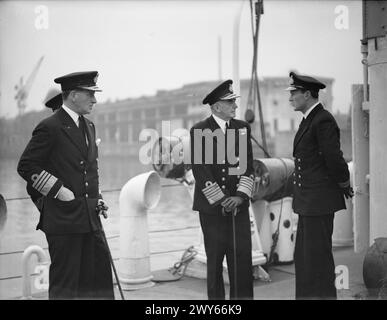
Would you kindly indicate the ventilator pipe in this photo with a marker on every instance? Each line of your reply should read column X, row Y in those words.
column 42, row 260
column 273, row 174
column 138, row 195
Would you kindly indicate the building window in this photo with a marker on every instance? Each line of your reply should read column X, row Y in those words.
column 151, row 124
column 124, row 116
column 112, row 132
column 165, row 112
column 101, row 118
column 136, row 129
column 124, row 132
column 150, row 113
column 112, row 117
column 137, row 115
column 181, row 109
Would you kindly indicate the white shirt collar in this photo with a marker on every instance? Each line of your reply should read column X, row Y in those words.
column 72, row 114
column 310, row 109
column 221, row 123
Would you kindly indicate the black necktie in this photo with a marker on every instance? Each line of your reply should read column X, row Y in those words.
column 302, row 123
column 82, row 127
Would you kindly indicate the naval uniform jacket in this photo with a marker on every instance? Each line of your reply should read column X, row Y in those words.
column 320, row 168
column 207, row 199
column 57, row 155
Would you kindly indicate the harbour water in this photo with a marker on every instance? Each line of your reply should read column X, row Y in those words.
column 173, row 226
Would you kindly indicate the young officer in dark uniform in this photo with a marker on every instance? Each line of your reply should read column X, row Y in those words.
column 320, row 182
column 60, row 162
column 54, row 99
column 218, row 193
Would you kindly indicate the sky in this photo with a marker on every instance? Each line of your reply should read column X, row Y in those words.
column 140, row 47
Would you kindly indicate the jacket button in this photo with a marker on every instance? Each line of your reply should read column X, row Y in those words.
column 299, row 176
column 82, row 163
column 223, row 170
column 237, row 185
column 85, row 172
column 299, row 168
column 238, row 177
column 223, row 187
column 294, row 182
column 86, row 195
column 299, row 184
column 223, row 178
column 86, row 184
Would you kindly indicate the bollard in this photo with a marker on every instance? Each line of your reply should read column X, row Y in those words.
column 138, row 195
column 34, row 249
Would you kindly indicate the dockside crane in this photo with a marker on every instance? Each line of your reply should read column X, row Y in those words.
column 23, row 89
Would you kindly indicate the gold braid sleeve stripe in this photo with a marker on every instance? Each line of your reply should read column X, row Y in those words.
column 212, row 192
column 44, row 182
column 246, row 185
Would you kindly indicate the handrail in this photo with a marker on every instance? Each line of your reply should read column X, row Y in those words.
column 114, row 237
column 103, row 191
column 115, row 259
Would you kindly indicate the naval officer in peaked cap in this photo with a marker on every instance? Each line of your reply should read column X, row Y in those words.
column 320, row 183
column 219, row 194
column 60, row 163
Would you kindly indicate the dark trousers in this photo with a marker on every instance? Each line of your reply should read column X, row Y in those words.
column 218, row 242
column 314, row 264
column 80, row 267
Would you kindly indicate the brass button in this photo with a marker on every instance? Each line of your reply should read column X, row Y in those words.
column 223, row 178
column 237, row 185
column 86, row 184
column 223, row 187
column 86, row 195
column 299, row 184
column 223, row 170
column 294, row 182
column 82, row 163
column 299, row 176
column 299, row 168
column 85, row 172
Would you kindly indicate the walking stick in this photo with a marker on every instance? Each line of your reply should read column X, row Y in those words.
column 233, row 214
column 101, row 209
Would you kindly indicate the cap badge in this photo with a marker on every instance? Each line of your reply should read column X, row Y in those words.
column 230, row 88
column 96, row 78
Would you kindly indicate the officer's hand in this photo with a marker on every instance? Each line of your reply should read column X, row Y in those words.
column 65, row 194
column 102, row 208
column 232, row 202
column 348, row 192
